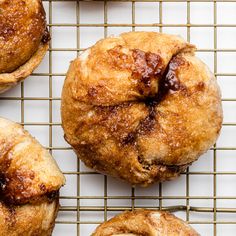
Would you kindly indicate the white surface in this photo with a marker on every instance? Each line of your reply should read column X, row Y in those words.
column 93, row 185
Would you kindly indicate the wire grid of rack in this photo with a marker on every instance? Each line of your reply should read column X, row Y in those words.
column 77, row 216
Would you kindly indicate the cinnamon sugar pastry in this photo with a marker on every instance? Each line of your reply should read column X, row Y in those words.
column 24, row 40
column 145, row 222
column 29, row 184
column 141, row 107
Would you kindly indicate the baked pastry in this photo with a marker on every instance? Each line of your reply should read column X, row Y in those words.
column 29, row 184
column 145, row 222
column 141, row 107
column 24, row 40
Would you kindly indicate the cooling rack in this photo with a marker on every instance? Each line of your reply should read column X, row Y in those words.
column 204, row 195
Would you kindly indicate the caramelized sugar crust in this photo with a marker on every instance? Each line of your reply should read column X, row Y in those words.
column 141, row 107
column 29, row 184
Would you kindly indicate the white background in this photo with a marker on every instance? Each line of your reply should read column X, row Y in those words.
column 37, row 111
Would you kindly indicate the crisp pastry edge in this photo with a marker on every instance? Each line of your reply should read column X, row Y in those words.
column 9, row 80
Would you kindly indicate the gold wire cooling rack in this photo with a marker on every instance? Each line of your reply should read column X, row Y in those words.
column 77, row 208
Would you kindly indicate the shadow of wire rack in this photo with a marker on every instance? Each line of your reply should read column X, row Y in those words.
column 205, row 194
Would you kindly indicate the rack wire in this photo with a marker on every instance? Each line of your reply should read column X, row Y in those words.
column 105, row 208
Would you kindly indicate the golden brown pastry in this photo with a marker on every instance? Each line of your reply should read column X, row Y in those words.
column 24, row 40
column 141, row 107
column 29, row 184
column 145, row 222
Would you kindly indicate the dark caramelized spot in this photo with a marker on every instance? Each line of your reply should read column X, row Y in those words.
column 4, row 165
column 171, row 80
column 6, row 31
column 46, row 36
column 52, row 195
column 174, row 168
column 42, row 187
column 147, row 165
column 148, row 69
column 107, row 111
column 3, row 183
column 200, row 86
column 129, row 139
column 17, row 189
column 147, row 65
column 17, row 186
column 144, row 65
column 144, row 164
column 145, row 126
column 92, row 92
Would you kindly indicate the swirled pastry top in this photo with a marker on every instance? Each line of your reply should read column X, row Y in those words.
column 141, row 106
column 22, row 29
column 145, row 222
